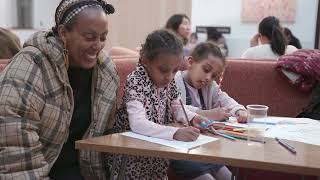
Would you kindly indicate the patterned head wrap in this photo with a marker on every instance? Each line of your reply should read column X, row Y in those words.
column 68, row 9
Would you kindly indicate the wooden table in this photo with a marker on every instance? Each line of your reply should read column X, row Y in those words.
column 270, row 156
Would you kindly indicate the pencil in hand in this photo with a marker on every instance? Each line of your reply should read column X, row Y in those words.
column 185, row 113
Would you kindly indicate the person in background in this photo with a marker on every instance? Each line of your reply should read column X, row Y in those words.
column 273, row 42
column 217, row 38
column 180, row 24
column 9, row 44
column 193, row 41
column 60, row 88
column 151, row 102
column 193, row 38
column 291, row 39
column 199, row 90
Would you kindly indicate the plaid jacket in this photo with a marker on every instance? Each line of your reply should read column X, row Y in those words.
column 36, row 105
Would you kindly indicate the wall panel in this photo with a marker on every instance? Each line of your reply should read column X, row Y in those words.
column 133, row 20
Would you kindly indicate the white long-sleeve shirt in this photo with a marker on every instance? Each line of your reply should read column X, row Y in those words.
column 139, row 123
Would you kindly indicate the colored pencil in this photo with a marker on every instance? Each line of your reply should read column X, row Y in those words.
column 243, row 136
column 286, row 145
column 239, row 129
column 266, row 123
column 213, row 131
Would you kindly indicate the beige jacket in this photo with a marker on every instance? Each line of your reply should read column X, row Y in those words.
column 36, row 106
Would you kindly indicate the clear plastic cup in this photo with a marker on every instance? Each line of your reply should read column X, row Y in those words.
column 256, row 124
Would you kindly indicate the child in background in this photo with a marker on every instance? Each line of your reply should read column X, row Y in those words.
column 193, row 41
column 198, row 89
column 218, row 39
column 151, row 102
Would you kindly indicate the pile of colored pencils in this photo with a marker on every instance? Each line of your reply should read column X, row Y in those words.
column 234, row 131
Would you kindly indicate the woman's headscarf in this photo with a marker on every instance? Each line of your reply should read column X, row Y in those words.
column 68, row 9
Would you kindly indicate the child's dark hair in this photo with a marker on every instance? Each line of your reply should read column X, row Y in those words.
column 161, row 41
column 205, row 49
column 270, row 27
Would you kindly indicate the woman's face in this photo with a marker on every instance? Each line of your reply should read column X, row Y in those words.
column 86, row 38
column 184, row 28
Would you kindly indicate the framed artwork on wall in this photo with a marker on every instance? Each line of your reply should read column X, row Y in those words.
column 253, row 11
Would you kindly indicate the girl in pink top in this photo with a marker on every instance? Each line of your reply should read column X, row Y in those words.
column 151, row 102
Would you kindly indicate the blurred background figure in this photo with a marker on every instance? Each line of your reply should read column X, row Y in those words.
column 291, row 39
column 270, row 41
column 9, row 44
column 180, row 24
column 217, row 38
column 193, row 40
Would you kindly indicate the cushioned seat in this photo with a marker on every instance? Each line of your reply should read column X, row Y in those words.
column 258, row 82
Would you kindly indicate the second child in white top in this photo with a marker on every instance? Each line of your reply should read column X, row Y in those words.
column 199, row 89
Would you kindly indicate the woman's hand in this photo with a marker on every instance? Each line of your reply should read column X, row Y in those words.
column 254, row 40
column 187, row 134
column 242, row 116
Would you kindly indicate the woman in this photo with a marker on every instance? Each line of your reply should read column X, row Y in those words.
column 60, row 88
column 273, row 42
column 180, row 24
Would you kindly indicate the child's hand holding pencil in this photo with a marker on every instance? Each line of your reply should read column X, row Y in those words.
column 187, row 134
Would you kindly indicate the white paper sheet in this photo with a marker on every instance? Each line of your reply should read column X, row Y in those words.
column 202, row 139
column 297, row 129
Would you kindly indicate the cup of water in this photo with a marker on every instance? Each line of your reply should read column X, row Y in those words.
column 256, row 121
